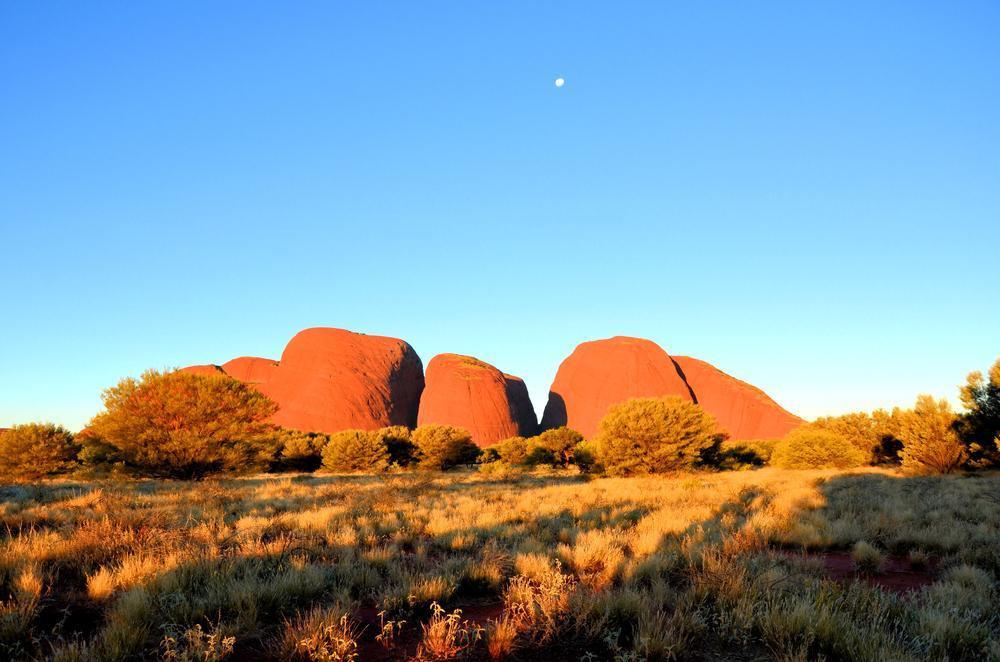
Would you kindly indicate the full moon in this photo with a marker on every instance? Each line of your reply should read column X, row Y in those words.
column 560, row 82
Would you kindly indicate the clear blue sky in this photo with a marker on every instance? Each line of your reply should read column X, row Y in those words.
column 805, row 194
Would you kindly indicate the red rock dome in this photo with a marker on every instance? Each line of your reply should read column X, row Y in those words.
column 207, row 370
column 742, row 410
column 601, row 373
column 251, row 369
column 466, row 392
column 331, row 379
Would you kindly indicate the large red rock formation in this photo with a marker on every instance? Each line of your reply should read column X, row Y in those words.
column 207, row 370
column 742, row 410
column 251, row 369
column 331, row 379
column 466, row 392
column 601, row 373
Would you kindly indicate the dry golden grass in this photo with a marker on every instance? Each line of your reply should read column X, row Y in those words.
column 318, row 567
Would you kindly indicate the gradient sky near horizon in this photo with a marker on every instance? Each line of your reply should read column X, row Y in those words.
column 806, row 195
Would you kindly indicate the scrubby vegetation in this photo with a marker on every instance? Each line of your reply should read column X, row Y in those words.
column 184, row 425
column 439, row 447
column 930, row 441
column 653, row 435
column 36, row 450
column 815, row 448
column 437, row 566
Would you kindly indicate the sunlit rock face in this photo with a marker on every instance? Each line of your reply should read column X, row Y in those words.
column 742, row 410
column 251, row 369
column 602, row 373
column 207, row 370
column 331, row 379
column 465, row 392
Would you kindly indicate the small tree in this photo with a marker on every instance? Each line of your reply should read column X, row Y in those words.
column 356, row 450
column 980, row 427
column 875, row 434
column 185, row 425
column 36, row 450
column 398, row 439
column 653, row 435
column 512, row 451
column 811, row 448
column 554, row 447
column 440, row 447
column 930, row 442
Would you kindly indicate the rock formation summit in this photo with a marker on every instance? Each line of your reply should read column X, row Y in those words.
column 466, row 392
column 330, row 380
column 602, row 373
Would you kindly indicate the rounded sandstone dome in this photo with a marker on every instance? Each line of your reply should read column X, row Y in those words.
column 601, row 373
column 465, row 392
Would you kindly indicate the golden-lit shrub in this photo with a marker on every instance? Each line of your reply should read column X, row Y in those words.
column 809, row 448
column 399, row 441
column 36, row 450
column 930, row 443
column 186, row 425
column 356, row 450
column 322, row 634
column 876, row 435
column 512, row 451
column 980, row 425
column 440, row 447
column 553, row 447
column 300, row 451
column 653, row 435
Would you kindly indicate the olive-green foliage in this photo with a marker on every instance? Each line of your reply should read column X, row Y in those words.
column 356, row 450
column 876, row 435
column 980, row 427
column 512, row 451
column 185, row 425
column 299, row 451
column 441, row 447
column 554, row 447
column 35, row 450
column 930, row 442
column 653, row 435
column 398, row 439
column 810, row 448
column 735, row 455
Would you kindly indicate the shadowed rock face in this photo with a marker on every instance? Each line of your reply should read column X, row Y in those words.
column 601, row 373
column 742, row 410
column 466, row 392
column 331, row 379
column 251, row 369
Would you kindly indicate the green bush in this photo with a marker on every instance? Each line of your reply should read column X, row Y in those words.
column 440, row 447
column 512, row 451
column 930, row 442
column 299, row 451
column 876, row 435
column 653, row 435
column 398, row 440
column 554, row 447
column 980, row 426
column 185, row 425
column 812, row 448
column 737, row 455
column 36, row 450
column 356, row 450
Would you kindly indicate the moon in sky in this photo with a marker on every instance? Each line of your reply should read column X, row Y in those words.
column 560, row 81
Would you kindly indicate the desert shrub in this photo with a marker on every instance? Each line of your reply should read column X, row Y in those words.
column 585, row 456
column 94, row 451
column 299, row 451
column 185, row 425
column 930, row 442
column 356, row 450
column 980, row 426
column 554, row 447
column 512, row 451
column 440, row 447
column 867, row 558
column 398, row 440
column 653, row 435
column 811, row 448
column 736, row 455
column 36, row 450
column 876, row 435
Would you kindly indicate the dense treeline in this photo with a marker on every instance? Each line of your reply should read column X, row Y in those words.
column 182, row 425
